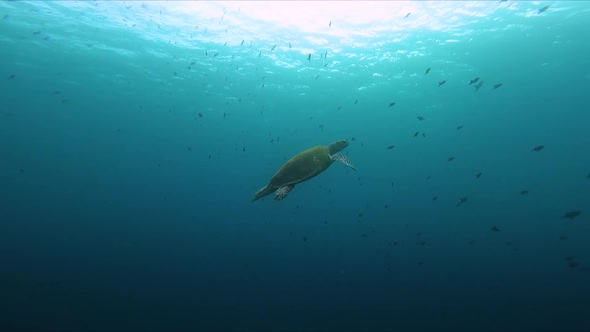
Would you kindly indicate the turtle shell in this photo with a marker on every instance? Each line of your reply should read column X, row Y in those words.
column 302, row 167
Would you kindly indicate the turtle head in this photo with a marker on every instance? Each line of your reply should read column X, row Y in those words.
column 337, row 146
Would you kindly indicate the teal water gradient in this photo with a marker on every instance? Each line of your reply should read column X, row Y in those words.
column 134, row 134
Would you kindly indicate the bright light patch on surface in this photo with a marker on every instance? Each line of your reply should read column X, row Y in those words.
column 279, row 31
column 320, row 22
column 308, row 16
column 304, row 24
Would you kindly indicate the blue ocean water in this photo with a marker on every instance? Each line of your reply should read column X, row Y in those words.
column 134, row 134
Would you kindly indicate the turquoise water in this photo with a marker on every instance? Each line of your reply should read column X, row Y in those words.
column 134, row 134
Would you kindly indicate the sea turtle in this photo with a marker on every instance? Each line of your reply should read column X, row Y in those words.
column 302, row 167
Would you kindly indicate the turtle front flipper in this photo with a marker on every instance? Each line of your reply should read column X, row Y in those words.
column 266, row 190
column 283, row 191
column 342, row 159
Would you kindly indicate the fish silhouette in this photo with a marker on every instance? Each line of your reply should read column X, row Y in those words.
column 572, row 214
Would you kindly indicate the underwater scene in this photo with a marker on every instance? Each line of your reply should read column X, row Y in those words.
column 294, row 166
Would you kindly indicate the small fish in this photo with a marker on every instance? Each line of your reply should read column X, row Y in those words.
column 36, row 32
column 478, row 175
column 175, row 73
column 473, row 81
column 451, row 159
column 353, row 139
column 244, row 149
column 459, row 127
column 392, row 104
column 538, row 148
column 330, row 24
column 390, row 147
column 193, row 63
column 11, row 76
column 326, row 55
column 434, row 198
column 262, row 86
column 316, row 77
column 189, row 148
column 462, row 201
column 216, row 54
column 259, row 54
column 588, row 176
column 572, row 214
column 542, row 9
column 273, row 48
column 441, row 83
column 356, row 101
column 524, row 192
column 309, row 57
column 497, row 86
column 421, row 118
column 495, row 229
column 427, row 70
column 408, row 14
column 423, row 134
column 478, row 86
column 416, row 133
column 242, row 43
column 200, row 115
column 339, row 108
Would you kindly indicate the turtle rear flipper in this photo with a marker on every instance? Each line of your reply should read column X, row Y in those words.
column 266, row 190
column 283, row 191
column 342, row 159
